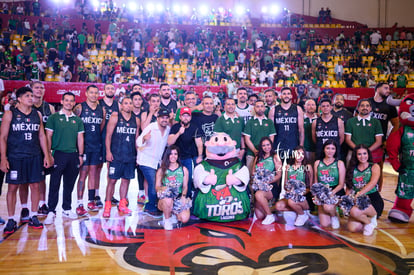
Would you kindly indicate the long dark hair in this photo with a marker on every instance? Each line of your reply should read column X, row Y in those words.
column 353, row 163
column 261, row 153
column 329, row 142
column 165, row 163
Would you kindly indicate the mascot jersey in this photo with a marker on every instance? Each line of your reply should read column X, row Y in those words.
column 405, row 188
column 174, row 179
column 328, row 174
column 361, row 178
column 222, row 203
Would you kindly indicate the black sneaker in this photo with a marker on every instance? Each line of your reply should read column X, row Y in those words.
column 114, row 201
column 43, row 210
column 24, row 215
column 11, row 227
column 98, row 202
column 2, row 221
column 34, row 223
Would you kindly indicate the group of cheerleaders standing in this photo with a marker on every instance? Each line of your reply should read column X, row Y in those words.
column 360, row 178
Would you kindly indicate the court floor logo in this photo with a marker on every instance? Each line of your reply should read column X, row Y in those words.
column 221, row 248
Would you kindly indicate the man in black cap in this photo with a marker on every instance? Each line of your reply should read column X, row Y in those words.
column 151, row 145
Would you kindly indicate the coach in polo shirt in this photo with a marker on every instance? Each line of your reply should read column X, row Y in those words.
column 64, row 131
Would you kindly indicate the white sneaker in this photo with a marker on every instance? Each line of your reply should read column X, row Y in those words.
column 269, row 219
column 69, row 214
column 168, row 225
column 301, row 220
column 173, row 219
column 289, row 217
column 50, row 219
column 369, row 229
column 335, row 222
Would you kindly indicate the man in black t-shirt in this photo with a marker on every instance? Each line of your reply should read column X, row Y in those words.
column 188, row 139
column 206, row 119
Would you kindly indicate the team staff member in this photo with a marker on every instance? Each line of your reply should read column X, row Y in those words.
column 46, row 110
column 22, row 139
column 65, row 133
column 92, row 115
column 110, row 105
column 121, row 153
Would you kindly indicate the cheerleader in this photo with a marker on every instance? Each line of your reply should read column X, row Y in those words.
column 171, row 186
column 269, row 164
column 300, row 170
column 330, row 171
column 362, row 178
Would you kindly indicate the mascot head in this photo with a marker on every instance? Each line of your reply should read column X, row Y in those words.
column 406, row 111
column 220, row 147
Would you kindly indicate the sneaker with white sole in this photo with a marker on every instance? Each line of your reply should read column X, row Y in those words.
column 269, row 219
column 69, row 214
column 301, row 220
column 335, row 222
column 290, row 217
column 50, row 219
column 168, row 225
column 369, row 229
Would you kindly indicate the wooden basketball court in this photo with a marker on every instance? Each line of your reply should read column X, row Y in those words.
column 139, row 244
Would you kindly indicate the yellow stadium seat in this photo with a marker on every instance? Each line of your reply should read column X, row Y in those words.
column 50, row 77
column 410, row 84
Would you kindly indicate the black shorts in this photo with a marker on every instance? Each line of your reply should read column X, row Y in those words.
column 124, row 170
column 377, row 202
column 92, row 158
column 27, row 170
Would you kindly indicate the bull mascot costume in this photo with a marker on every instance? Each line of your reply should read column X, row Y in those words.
column 400, row 148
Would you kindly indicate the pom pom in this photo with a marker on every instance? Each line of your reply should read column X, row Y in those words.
column 179, row 205
column 346, row 203
column 363, row 202
column 295, row 190
column 262, row 179
column 168, row 193
column 322, row 194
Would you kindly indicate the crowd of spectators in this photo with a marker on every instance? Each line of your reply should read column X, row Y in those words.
column 203, row 57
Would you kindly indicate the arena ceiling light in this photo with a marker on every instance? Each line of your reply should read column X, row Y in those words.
column 159, row 7
column 275, row 9
column 132, row 6
column 265, row 9
column 185, row 9
column 239, row 10
column 95, row 3
column 221, row 10
column 150, row 7
column 176, row 9
column 203, row 10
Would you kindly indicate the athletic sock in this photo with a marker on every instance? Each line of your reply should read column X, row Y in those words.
column 91, row 194
column 24, row 205
column 80, row 202
column 41, row 203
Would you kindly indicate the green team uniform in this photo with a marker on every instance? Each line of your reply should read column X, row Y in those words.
column 231, row 126
column 257, row 129
column 267, row 164
column 405, row 187
column 328, row 174
column 361, row 178
column 363, row 134
column 222, row 203
column 65, row 131
column 174, row 179
column 296, row 174
column 307, row 125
